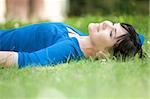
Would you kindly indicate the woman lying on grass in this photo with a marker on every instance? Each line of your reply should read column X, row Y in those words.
column 54, row 43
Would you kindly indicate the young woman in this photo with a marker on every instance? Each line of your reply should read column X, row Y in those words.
column 54, row 43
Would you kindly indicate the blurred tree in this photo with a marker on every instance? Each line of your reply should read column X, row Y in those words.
column 77, row 7
column 108, row 7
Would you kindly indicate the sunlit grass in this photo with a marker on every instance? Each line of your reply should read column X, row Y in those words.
column 86, row 79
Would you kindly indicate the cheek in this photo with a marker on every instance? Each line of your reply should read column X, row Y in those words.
column 110, row 42
column 102, row 36
column 98, row 38
column 102, row 40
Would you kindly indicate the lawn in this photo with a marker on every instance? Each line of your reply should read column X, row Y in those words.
column 86, row 79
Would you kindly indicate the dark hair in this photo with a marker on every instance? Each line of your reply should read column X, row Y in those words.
column 128, row 45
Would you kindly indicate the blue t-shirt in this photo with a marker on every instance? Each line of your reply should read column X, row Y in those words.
column 42, row 44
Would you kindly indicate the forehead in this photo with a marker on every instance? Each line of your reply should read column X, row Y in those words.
column 119, row 30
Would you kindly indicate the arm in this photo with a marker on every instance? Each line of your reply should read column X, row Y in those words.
column 32, row 37
column 52, row 55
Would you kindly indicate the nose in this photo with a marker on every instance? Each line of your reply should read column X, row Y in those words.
column 107, row 24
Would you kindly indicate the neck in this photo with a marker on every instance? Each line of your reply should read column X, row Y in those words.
column 87, row 47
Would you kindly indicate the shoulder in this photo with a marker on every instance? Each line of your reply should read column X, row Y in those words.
column 50, row 23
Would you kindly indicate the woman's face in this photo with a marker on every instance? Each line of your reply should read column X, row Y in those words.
column 105, row 34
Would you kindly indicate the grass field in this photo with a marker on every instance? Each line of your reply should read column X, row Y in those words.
column 86, row 79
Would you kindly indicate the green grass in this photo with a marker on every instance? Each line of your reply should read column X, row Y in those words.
column 86, row 79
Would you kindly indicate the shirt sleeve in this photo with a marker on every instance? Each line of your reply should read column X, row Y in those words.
column 32, row 37
column 58, row 53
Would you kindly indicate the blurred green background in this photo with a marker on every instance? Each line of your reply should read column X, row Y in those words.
column 108, row 7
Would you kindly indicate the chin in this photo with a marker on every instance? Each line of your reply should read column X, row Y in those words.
column 92, row 27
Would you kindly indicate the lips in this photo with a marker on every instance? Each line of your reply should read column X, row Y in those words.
column 100, row 26
column 96, row 27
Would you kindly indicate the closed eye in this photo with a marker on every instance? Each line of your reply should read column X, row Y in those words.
column 110, row 33
column 111, row 30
